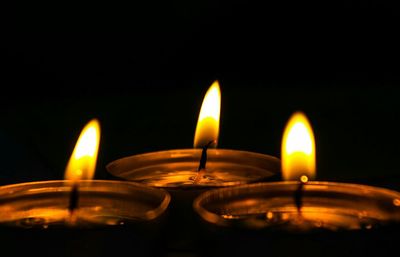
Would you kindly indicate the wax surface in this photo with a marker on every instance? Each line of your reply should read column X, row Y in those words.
column 175, row 168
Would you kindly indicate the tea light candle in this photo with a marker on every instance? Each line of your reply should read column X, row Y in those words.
column 185, row 173
column 79, row 199
column 74, row 214
column 296, row 204
column 183, row 168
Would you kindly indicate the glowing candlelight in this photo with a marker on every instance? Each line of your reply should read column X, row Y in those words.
column 298, row 149
column 82, row 163
column 207, row 128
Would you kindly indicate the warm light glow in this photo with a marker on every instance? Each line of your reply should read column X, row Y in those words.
column 304, row 179
column 298, row 149
column 208, row 124
column 82, row 163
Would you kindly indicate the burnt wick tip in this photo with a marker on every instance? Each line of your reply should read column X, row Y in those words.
column 298, row 196
column 73, row 199
column 203, row 159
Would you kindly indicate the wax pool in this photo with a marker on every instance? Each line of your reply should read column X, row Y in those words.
column 179, row 168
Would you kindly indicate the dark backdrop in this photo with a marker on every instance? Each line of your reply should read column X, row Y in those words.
column 142, row 69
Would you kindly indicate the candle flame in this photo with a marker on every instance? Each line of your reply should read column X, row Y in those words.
column 82, row 163
column 298, row 149
column 207, row 129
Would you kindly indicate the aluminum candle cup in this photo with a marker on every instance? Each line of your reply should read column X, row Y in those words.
column 101, row 203
column 111, row 217
column 177, row 172
column 330, row 212
column 325, row 205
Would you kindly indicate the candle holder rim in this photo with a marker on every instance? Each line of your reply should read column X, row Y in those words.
column 94, row 181
column 309, row 183
column 199, row 150
column 217, row 219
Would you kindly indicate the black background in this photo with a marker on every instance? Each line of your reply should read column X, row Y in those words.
column 142, row 69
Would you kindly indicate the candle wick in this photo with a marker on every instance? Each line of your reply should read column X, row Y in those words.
column 203, row 161
column 73, row 200
column 298, row 196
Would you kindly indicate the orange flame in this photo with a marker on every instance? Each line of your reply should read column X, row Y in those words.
column 82, row 163
column 298, row 149
column 207, row 129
